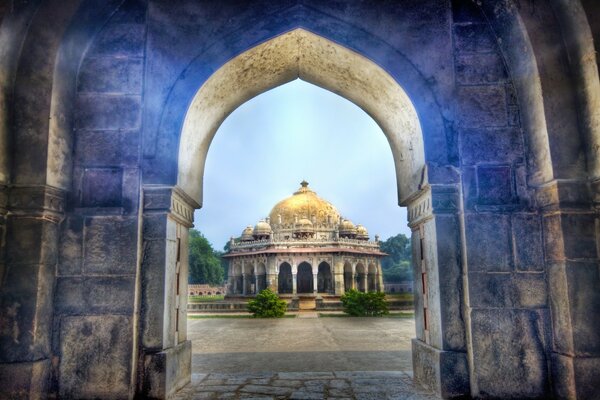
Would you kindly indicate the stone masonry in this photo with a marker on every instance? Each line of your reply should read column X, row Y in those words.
column 107, row 111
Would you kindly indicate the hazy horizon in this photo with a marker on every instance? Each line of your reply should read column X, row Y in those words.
column 297, row 131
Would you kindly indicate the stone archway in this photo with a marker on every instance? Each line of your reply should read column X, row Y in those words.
column 285, row 284
column 305, row 279
column 502, row 203
column 324, row 278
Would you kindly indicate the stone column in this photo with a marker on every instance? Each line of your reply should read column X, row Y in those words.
column 315, row 279
column 294, row 284
column 272, row 277
column 338, row 277
column 32, row 214
column 165, row 351
column 244, row 284
column 354, row 277
column 380, row 277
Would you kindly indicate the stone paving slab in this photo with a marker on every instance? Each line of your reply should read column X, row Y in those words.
column 305, row 386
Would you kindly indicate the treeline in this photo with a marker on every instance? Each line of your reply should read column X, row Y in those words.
column 208, row 266
column 397, row 266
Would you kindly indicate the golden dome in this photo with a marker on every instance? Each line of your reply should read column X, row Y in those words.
column 347, row 228
column 262, row 228
column 361, row 232
column 247, row 234
column 304, row 204
column 304, row 225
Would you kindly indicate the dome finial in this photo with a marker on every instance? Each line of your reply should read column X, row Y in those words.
column 304, row 183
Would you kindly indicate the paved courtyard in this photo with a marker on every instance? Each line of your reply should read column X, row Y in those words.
column 302, row 358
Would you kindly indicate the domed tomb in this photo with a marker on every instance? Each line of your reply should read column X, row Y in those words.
column 304, row 203
column 300, row 249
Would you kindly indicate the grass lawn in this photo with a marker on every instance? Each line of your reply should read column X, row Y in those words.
column 400, row 296
column 205, row 299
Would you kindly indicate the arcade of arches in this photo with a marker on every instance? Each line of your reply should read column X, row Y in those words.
column 107, row 112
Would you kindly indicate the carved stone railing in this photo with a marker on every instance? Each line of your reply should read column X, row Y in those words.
column 282, row 244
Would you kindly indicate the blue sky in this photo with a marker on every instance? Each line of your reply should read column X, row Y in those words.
column 298, row 131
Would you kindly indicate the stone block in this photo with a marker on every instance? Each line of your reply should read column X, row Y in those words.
column 71, row 246
column 26, row 311
column 474, row 38
column 579, row 233
column 501, row 145
column 495, row 185
column 108, row 112
column 575, row 377
column 509, row 346
column 110, row 245
column 31, row 241
column 587, row 371
column 469, row 182
column 444, row 372
column 554, row 248
column 482, row 106
column 450, row 290
column 563, row 377
column 95, row 356
column 488, row 242
column 443, row 174
column 167, row 371
column 473, row 69
column 107, row 148
column 131, row 190
column 26, row 380
column 506, row 290
column 120, row 39
column 102, row 187
column 155, row 226
column 94, row 295
column 153, row 294
column 583, row 280
column 559, row 304
column 527, row 234
column 530, row 290
column 111, row 75
column 490, row 290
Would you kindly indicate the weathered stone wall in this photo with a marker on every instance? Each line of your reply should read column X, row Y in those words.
column 504, row 213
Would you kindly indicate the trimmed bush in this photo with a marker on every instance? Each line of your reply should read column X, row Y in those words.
column 359, row 304
column 267, row 305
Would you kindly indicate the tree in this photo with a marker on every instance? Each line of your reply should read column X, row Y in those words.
column 205, row 263
column 397, row 266
column 360, row 304
column 267, row 305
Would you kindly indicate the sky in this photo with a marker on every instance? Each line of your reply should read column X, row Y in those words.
column 295, row 132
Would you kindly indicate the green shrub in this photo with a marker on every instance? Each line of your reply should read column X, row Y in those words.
column 267, row 305
column 359, row 304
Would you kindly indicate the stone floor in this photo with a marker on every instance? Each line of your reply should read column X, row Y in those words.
column 304, row 385
column 361, row 358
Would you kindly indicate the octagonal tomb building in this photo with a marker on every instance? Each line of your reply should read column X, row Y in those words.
column 304, row 248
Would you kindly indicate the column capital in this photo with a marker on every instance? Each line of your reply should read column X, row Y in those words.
column 172, row 200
